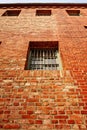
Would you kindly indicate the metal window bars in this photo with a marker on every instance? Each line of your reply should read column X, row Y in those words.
column 43, row 59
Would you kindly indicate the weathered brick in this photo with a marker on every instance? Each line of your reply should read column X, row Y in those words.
column 43, row 99
column 71, row 122
column 83, row 112
column 26, row 116
column 7, row 112
column 1, row 126
column 1, row 111
column 60, row 117
column 61, row 112
column 62, row 121
column 54, row 121
column 11, row 126
column 31, row 121
column 16, row 103
column 30, row 112
column 38, row 122
column 29, row 116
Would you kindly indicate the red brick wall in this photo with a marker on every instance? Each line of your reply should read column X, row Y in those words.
column 43, row 99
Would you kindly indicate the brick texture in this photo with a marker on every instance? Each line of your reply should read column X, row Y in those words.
column 43, row 99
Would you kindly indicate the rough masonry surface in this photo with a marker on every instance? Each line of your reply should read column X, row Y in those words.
column 43, row 99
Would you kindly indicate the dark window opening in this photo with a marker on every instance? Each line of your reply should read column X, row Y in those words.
column 0, row 42
column 12, row 13
column 85, row 27
column 73, row 12
column 43, row 56
column 43, row 12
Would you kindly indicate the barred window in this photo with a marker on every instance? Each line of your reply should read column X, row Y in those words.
column 43, row 58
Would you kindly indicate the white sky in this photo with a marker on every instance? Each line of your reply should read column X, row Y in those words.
column 43, row 1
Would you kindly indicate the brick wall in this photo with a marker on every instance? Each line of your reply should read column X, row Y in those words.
column 43, row 99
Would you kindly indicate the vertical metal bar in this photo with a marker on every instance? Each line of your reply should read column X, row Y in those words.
column 51, row 58
column 47, row 59
column 43, row 59
column 40, row 58
column 37, row 59
column 31, row 58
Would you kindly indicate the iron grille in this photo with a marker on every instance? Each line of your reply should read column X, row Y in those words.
column 43, row 59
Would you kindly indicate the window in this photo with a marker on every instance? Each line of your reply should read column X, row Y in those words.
column 0, row 42
column 43, row 12
column 73, row 12
column 85, row 27
column 12, row 13
column 43, row 56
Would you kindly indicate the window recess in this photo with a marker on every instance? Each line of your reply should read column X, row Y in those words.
column 43, row 58
column 73, row 12
column 85, row 27
column 43, row 12
column 12, row 13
